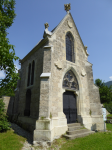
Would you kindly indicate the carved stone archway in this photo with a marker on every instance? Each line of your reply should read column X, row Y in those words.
column 70, row 81
column 70, row 84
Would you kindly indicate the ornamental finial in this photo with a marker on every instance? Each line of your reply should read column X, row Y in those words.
column 67, row 7
column 46, row 25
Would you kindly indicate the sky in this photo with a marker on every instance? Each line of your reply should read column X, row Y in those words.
column 93, row 19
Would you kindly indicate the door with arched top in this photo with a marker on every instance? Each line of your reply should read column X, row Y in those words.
column 70, row 106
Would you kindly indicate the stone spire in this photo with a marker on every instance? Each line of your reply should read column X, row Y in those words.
column 67, row 7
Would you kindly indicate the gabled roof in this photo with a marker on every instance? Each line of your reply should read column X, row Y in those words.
column 54, row 30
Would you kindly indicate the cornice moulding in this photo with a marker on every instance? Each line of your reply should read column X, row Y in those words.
column 44, row 75
column 49, row 46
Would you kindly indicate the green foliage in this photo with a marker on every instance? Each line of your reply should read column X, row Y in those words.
column 42, row 118
column 105, row 91
column 6, row 92
column 50, row 115
column 99, row 83
column 108, row 107
column 109, row 115
column 7, row 52
column 4, row 124
column 90, row 112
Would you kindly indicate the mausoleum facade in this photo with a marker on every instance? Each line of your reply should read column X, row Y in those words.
column 56, row 86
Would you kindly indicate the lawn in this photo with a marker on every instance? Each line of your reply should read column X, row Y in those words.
column 97, row 141
column 11, row 141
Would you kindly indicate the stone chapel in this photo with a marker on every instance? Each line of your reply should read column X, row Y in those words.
column 56, row 86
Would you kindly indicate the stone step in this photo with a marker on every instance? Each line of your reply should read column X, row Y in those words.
column 78, row 135
column 74, row 128
column 77, row 131
column 74, row 124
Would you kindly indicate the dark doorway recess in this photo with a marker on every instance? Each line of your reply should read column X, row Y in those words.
column 28, row 101
column 70, row 106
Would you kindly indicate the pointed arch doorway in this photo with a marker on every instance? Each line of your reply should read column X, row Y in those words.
column 70, row 106
column 70, row 83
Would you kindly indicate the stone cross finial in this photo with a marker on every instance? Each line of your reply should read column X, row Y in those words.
column 67, row 7
column 46, row 25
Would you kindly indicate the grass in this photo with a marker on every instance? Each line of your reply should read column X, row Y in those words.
column 109, row 115
column 109, row 126
column 97, row 141
column 11, row 141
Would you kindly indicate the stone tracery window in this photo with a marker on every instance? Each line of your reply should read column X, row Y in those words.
column 70, row 81
column 70, row 47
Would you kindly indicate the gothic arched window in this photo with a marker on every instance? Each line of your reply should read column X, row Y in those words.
column 70, row 47
column 29, row 74
column 28, row 101
column 70, row 81
column 32, row 75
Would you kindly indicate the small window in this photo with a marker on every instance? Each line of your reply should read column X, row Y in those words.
column 29, row 74
column 28, row 101
column 70, row 47
column 31, row 68
column 32, row 76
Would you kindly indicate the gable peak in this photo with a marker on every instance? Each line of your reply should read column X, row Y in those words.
column 67, row 7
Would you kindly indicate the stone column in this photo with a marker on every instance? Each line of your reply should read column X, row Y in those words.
column 44, row 96
column 43, row 130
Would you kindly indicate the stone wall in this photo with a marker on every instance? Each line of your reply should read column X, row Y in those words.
column 9, row 104
column 24, row 121
column 35, row 88
column 59, row 55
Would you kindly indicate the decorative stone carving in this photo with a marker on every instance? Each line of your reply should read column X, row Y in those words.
column 46, row 25
column 76, row 93
column 70, row 81
column 69, row 24
column 83, row 73
column 58, row 64
column 86, row 50
column 67, row 7
column 46, row 32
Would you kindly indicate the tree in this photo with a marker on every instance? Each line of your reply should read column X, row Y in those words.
column 4, row 125
column 7, row 52
column 105, row 91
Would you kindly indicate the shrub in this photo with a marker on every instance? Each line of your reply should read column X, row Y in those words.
column 109, row 107
column 4, row 124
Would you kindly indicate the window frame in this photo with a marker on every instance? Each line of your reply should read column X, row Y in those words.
column 70, row 53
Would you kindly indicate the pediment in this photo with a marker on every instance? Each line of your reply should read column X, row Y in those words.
column 71, row 24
